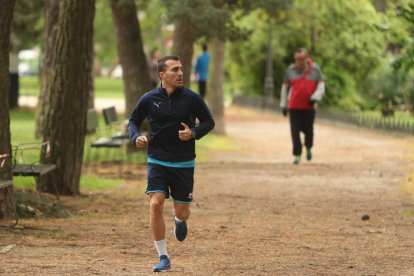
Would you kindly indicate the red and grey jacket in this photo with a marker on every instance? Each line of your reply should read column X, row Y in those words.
column 300, row 86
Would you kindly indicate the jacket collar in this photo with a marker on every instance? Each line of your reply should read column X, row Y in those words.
column 310, row 65
column 175, row 93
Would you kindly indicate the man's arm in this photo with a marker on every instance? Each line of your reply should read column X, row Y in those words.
column 284, row 97
column 139, row 113
column 204, row 116
column 319, row 92
column 320, row 88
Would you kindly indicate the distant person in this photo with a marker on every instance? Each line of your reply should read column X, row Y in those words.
column 172, row 111
column 201, row 71
column 153, row 66
column 303, row 86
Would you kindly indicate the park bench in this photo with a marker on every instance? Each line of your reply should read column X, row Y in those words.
column 112, row 122
column 100, row 142
column 6, row 184
column 31, row 160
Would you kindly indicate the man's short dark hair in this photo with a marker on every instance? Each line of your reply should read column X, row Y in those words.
column 301, row 50
column 204, row 47
column 162, row 62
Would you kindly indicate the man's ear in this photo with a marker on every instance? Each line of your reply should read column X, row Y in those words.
column 161, row 75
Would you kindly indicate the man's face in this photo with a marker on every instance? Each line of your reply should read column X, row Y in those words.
column 172, row 76
column 300, row 60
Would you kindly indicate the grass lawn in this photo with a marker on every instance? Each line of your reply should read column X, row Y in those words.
column 104, row 87
column 22, row 128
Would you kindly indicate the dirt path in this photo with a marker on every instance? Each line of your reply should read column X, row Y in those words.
column 254, row 213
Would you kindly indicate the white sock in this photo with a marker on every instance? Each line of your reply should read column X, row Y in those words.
column 161, row 247
column 178, row 220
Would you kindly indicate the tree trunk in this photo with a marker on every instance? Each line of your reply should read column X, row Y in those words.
column 184, row 38
column 6, row 15
column 131, row 53
column 380, row 5
column 91, row 88
column 65, row 120
column 51, row 19
column 215, row 83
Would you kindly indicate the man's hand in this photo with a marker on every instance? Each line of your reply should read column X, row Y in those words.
column 284, row 111
column 185, row 134
column 312, row 102
column 141, row 141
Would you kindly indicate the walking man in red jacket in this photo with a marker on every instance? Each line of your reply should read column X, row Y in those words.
column 302, row 88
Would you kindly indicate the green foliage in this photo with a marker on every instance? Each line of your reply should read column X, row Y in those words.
column 348, row 51
column 212, row 18
column 405, row 60
column 152, row 20
column 105, row 35
column 247, row 58
column 387, row 88
column 27, row 24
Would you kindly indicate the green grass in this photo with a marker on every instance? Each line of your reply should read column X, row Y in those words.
column 89, row 182
column 214, row 142
column 24, row 182
column 104, row 87
column 404, row 116
column 22, row 128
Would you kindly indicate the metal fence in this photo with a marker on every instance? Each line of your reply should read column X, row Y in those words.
column 352, row 118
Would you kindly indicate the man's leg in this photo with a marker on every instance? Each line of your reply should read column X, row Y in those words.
column 308, row 120
column 295, row 127
column 182, row 213
column 158, row 230
column 156, row 215
column 202, row 88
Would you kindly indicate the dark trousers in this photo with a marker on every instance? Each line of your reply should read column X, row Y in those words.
column 202, row 88
column 14, row 90
column 301, row 120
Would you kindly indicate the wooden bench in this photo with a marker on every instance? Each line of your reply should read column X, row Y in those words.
column 37, row 166
column 6, row 184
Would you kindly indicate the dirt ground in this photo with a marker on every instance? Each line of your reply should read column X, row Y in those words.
column 254, row 213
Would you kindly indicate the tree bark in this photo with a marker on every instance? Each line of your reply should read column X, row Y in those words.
column 6, row 15
column 215, row 83
column 65, row 121
column 184, row 38
column 51, row 19
column 131, row 53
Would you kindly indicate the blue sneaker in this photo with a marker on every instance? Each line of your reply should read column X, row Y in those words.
column 163, row 266
column 180, row 230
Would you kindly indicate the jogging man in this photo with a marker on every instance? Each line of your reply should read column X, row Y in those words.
column 302, row 88
column 171, row 111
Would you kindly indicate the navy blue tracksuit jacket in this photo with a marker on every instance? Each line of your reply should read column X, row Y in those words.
column 165, row 114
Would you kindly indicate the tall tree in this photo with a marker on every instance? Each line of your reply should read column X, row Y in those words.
column 6, row 15
column 51, row 19
column 65, row 121
column 192, row 20
column 216, row 80
column 211, row 19
column 131, row 53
